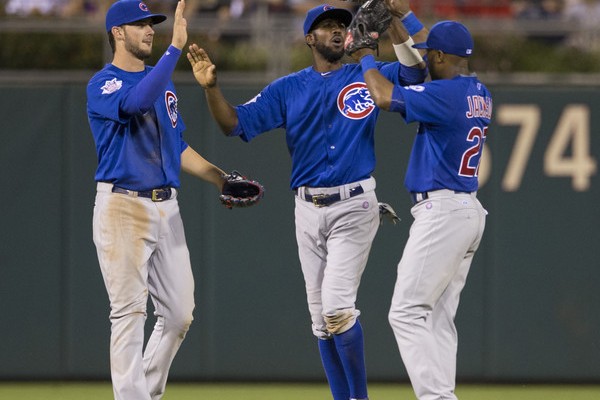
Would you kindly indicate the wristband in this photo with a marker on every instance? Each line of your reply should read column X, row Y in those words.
column 406, row 54
column 367, row 63
column 411, row 23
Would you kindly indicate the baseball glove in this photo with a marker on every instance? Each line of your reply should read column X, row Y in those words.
column 239, row 191
column 371, row 20
column 386, row 211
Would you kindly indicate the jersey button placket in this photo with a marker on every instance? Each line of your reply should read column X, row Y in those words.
column 329, row 134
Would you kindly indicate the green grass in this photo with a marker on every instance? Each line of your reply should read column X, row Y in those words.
column 281, row 391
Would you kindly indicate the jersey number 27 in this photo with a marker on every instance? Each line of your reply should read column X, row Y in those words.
column 473, row 154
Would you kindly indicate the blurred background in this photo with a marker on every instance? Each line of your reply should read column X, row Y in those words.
column 529, row 312
column 265, row 36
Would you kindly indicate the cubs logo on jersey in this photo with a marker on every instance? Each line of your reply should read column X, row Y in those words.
column 171, row 104
column 354, row 101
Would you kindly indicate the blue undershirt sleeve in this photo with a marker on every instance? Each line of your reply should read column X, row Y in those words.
column 398, row 104
column 143, row 95
column 412, row 75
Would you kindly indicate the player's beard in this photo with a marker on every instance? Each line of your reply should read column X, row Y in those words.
column 136, row 50
column 328, row 53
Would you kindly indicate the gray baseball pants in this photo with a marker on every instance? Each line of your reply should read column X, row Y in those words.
column 444, row 236
column 333, row 245
column 142, row 250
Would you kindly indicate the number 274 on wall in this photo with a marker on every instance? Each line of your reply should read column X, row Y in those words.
column 572, row 132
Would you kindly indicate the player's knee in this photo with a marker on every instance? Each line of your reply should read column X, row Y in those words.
column 340, row 321
column 174, row 325
column 394, row 317
column 181, row 320
column 184, row 322
column 184, row 326
column 406, row 314
column 124, row 307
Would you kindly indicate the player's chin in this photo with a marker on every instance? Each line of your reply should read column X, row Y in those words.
column 331, row 53
column 337, row 49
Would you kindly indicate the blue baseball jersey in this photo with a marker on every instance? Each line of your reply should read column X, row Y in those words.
column 329, row 120
column 136, row 150
column 454, row 115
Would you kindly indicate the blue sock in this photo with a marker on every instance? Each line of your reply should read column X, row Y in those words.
column 334, row 370
column 350, row 349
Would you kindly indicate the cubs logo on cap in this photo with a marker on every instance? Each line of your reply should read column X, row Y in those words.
column 127, row 11
column 324, row 11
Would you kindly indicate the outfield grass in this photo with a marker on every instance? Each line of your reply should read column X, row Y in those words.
column 280, row 391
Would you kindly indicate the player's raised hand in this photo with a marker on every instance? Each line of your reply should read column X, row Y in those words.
column 180, row 34
column 204, row 70
column 399, row 8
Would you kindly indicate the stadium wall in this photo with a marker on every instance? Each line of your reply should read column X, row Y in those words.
column 529, row 311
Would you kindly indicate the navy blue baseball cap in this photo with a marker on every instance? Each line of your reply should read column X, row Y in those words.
column 127, row 11
column 450, row 37
column 324, row 11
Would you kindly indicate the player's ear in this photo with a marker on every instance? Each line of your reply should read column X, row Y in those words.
column 309, row 39
column 117, row 32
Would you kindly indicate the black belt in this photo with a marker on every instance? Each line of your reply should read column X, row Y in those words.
column 322, row 200
column 419, row 197
column 160, row 194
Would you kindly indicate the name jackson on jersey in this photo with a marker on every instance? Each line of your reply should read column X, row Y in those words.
column 479, row 107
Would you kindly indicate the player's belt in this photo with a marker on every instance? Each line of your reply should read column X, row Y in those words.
column 419, row 197
column 160, row 194
column 323, row 200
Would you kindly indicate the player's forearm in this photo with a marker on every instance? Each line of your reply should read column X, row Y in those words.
column 415, row 28
column 402, row 43
column 223, row 112
column 144, row 94
column 401, row 10
column 379, row 87
column 196, row 165
column 421, row 37
column 397, row 32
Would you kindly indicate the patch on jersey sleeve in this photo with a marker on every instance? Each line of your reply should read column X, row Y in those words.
column 111, row 86
column 253, row 100
column 171, row 104
column 355, row 102
column 416, row 88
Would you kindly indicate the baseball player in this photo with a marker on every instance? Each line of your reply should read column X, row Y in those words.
column 453, row 111
column 137, row 227
column 329, row 119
